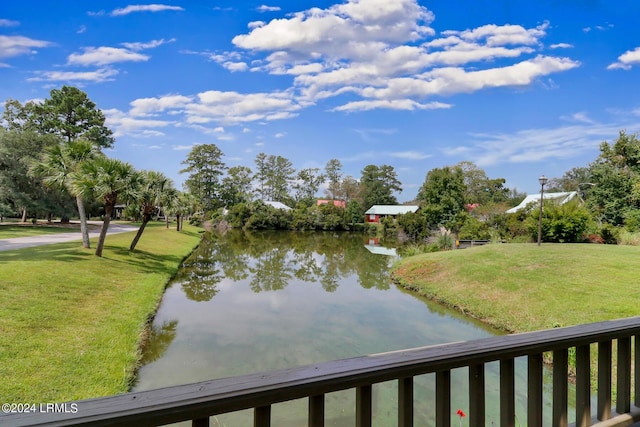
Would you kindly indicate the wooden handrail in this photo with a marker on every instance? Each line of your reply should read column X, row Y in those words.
column 198, row 401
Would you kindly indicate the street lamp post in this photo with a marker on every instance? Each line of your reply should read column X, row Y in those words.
column 542, row 180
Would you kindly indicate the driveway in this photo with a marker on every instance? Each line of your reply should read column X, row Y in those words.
column 48, row 239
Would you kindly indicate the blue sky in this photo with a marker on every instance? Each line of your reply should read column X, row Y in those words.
column 520, row 88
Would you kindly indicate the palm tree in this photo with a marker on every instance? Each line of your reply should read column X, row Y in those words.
column 154, row 185
column 57, row 166
column 107, row 180
column 168, row 201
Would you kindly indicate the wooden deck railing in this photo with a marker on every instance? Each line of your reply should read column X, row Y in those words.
column 199, row 401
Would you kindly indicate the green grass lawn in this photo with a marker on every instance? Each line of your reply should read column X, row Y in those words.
column 523, row 287
column 8, row 231
column 71, row 323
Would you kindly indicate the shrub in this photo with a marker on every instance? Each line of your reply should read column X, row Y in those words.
column 560, row 223
column 610, row 234
column 474, row 229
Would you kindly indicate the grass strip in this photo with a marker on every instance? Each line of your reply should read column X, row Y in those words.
column 71, row 323
column 523, row 287
column 11, row 231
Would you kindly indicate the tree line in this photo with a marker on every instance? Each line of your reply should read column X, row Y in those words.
column 52, row 164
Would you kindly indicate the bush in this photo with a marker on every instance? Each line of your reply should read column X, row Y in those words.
column 417, row 249
column 196, row 219
column 414, row 225
column 474, row 229
column 610, row 234
column 560, row 223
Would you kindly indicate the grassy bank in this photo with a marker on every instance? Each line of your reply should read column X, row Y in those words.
column 523, row 287
column 70, row 322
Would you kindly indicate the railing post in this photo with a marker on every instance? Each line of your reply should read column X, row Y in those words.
column 363, row 406
column 200, row 422
column 405, row 402
column 560, row 388
column 507, row 393
column 604, row 380
column 262, row 416
column 534, row 390
column 443, row 398
column 636, row 358
column 623, row 377
column 583, row 386
column 316, row 411
column 476, row 395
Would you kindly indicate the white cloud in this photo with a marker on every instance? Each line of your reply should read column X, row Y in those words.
column 124, row 124
column 235, row 66
column 265, row 8
column 8, row 23
column 561, row 46
column 579, row 117
column 11, row 46
column 256, row 24
column 144, row 8
column 150, row 106
column 149, row 45
column 409, row 155
column 82, row 29
column 627, row 59
column 234, row 107
column 395, row 104
column 182, row 147
column 386, row 53
column 96, row 76
column 531, row 145
column 279, row 135
column 105, row 55
column 500, row 35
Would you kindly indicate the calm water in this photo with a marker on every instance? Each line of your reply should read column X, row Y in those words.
column 249, row 302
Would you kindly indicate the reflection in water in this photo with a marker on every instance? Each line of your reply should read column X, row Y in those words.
column 270, row 260
column 159, row 340
column 222, row 317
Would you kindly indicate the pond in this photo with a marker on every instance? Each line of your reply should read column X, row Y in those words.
column 248, row 302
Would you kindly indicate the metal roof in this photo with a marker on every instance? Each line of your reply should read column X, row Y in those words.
column 391, row 209
column 277, row 205
column 561, row 198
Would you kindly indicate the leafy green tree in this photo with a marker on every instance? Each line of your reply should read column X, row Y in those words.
column 107, row 180
column 280, row 174
column 479, row 188
column 68, row 113
column 354, row 212
column 442, row 196
column 350, row 189
column 261, row 174
column 205, row 167
column 615, row 175
column 307, row 184
column 333, row 173
column 236, row 186
column 378, row 184
column 150, row 195
column 19, row 189
column 57, row 166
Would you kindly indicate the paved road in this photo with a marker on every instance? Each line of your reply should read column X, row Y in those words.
column 48, row 239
